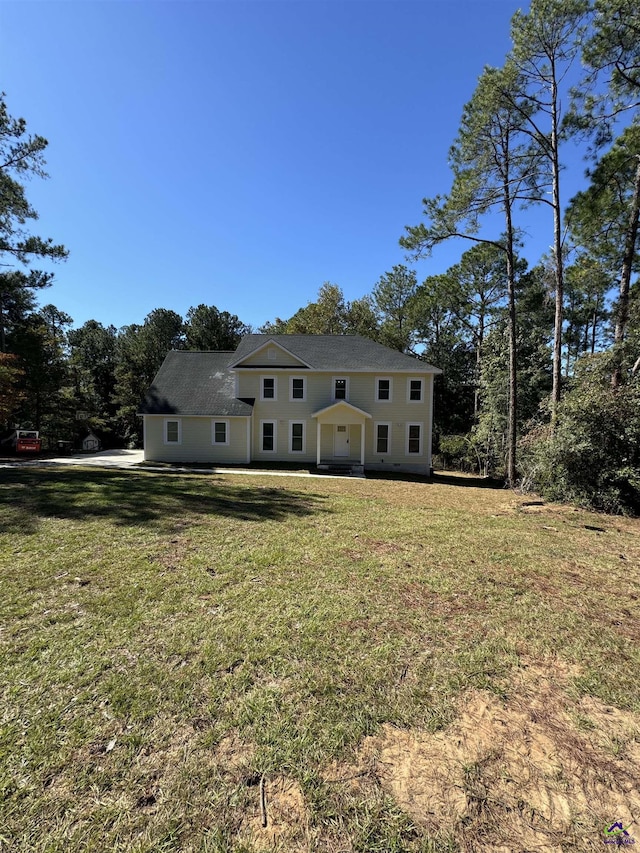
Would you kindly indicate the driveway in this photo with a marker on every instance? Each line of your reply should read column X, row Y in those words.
column 102, row 459
column 132, row 458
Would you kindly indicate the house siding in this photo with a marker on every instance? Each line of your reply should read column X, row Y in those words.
column 362, row 394
column 196, row 443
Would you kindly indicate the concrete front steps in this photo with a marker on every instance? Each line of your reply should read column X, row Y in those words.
column 345, row 469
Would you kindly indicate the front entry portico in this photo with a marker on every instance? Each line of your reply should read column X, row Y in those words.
column 340, row 424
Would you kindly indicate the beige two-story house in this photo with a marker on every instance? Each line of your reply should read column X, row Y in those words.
column 320, row 400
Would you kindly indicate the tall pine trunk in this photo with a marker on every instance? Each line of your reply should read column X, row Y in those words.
column 511, row 295
column 557, row 251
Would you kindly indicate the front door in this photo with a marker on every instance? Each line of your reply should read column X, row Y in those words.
column 341, row 444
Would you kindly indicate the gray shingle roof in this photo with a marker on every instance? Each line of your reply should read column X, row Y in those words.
column 202, row 383
column 195, row 383
column 336, row 352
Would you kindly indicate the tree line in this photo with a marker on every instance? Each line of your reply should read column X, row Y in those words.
column 541, row 356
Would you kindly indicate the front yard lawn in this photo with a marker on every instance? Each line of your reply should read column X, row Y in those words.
column 228, row 663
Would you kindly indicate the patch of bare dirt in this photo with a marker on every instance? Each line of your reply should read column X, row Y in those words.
column 537, row 772
column 173, row 553
column 278, row 818
column 234, row 756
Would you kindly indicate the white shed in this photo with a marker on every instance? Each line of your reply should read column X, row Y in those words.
column 91, row 443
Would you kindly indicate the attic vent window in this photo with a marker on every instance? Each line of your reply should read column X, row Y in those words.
column 271, row 353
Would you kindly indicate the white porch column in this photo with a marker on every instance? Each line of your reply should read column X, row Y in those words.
column 318, row 442
column 362, row 443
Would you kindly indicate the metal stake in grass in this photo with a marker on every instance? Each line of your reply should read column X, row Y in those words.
column 263, row 803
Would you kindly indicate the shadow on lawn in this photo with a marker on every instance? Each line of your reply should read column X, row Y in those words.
column 132, row 498
column 466, row 480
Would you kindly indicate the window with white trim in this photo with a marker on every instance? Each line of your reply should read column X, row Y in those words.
column 297, row 388
column 296, row 436
column 219, row 432
column 172, row 431
column 415, row 390
column 384, row 386
column 383, row 438
column 414, row 439
column 268, row 388
column 268, row 436
column 340, row 387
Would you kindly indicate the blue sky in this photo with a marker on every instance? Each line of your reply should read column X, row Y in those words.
column 241, row 153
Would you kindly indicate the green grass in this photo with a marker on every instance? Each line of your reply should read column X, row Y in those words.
column 147, row 618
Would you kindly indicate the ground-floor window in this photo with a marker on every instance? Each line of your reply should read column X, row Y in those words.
column 268, row 436
column 172, row 431
column 383, row 434
column 414, row 438
column 220, row 432
column 296, row 436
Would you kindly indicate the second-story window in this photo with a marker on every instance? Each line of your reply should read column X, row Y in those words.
column 268, row 388
column 415, row 390
column 383, row 390
column 340, row 388
column 297, row 389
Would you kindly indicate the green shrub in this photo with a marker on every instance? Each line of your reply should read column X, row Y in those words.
column 593, row 457
column 455, row 452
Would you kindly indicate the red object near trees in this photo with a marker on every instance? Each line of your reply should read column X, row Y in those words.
column 28, row 441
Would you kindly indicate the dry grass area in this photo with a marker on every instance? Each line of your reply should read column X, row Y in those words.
column 534, row 770
column 211, row 663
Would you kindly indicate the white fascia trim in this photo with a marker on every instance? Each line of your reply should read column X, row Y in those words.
column 371, row 371
column 183, row 415
column 338, row 403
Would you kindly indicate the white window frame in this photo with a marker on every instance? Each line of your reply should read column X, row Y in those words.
column 409, row 381
column 421, row 445
column 275, row 435
column 334, row 379
column 168, row 421
column 264, row 399
column 304, row 436
column 302, row 399
column 388, row 379
column 375, row 438
column 224, row 421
